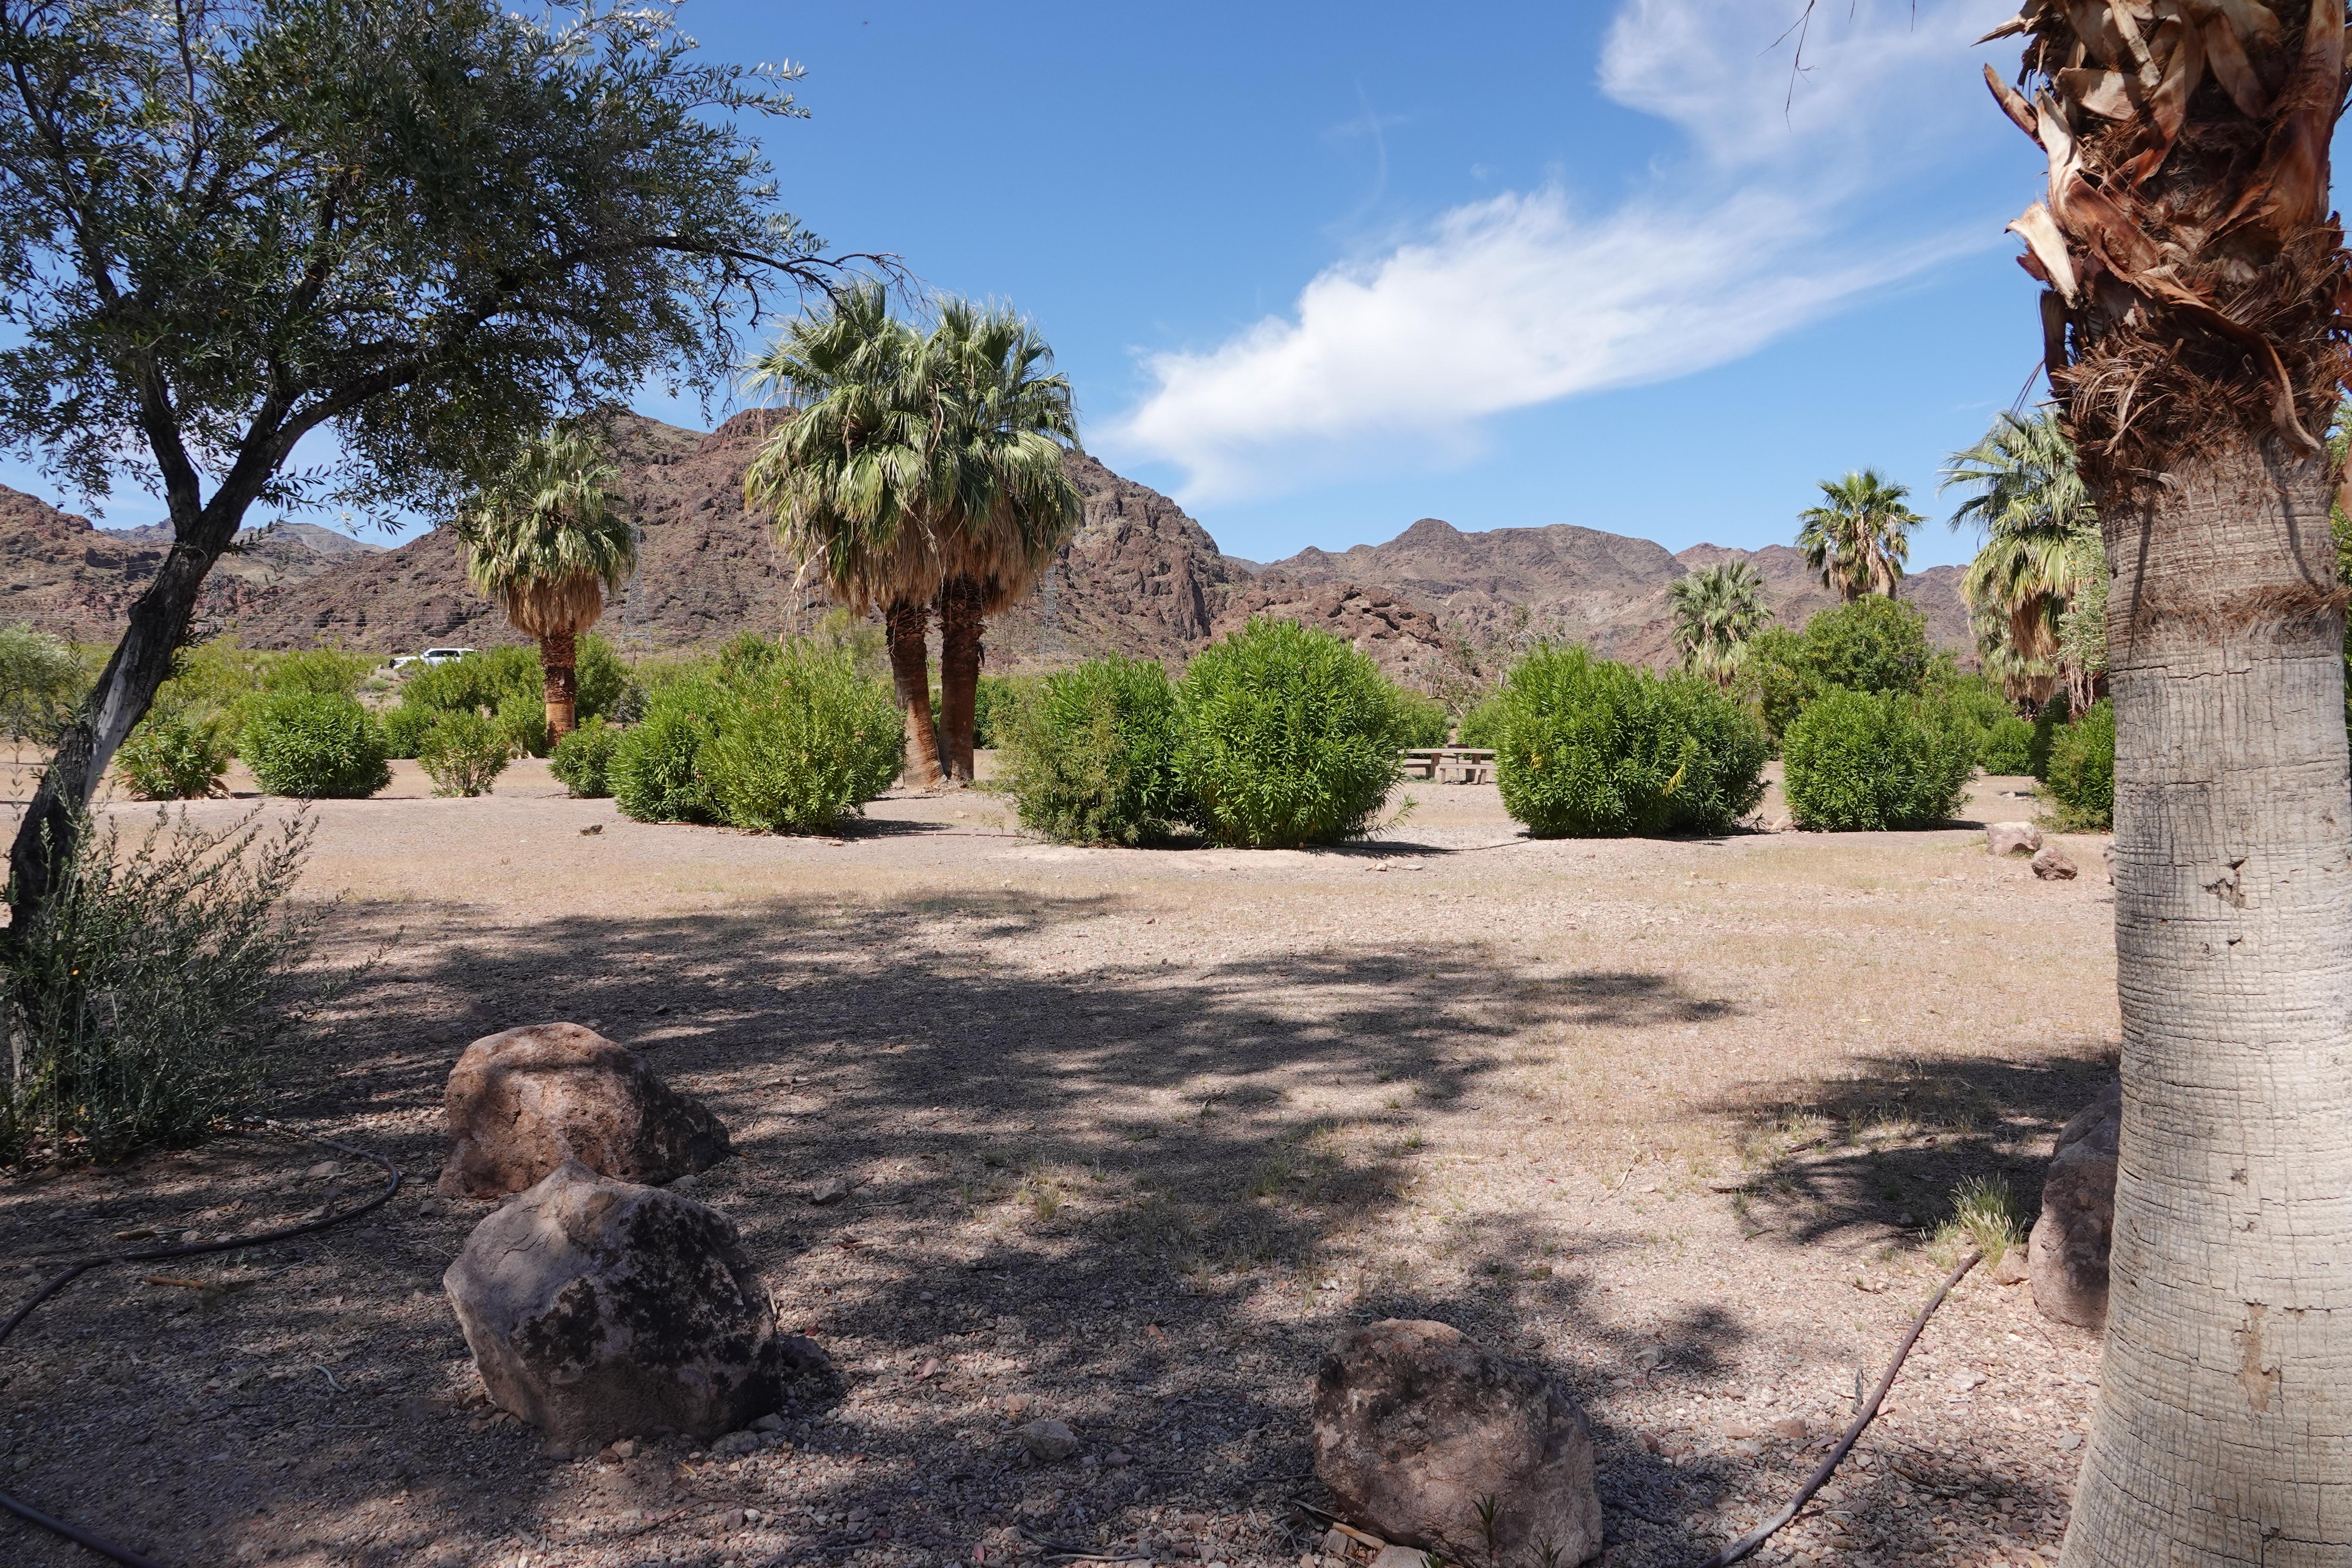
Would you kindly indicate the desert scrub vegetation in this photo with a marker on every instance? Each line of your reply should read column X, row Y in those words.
column 464, row 753
column 178, row 753
column 1091, row 755
column 2081, row 776
column 1983, row 1219
column 314, row 746
column 1860, row 762
column 2007, row 747
column 42, row 682
column 1873, row 644
column 1287, row 736
column 584, row 760
column 153, row 998
column 1594, row 748
column 508, row 685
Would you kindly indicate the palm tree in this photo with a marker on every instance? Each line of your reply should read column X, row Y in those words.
column 1716, row 609
column 1008, row 425
column 546, row 544
column 2035, row 517
column 855, row 485
column 1859, row 540
column 2192, row 273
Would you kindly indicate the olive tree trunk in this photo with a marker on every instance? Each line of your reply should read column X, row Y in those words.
column 961, row 622
column 2223, row 1431
column 559, row 660
column 906, row 621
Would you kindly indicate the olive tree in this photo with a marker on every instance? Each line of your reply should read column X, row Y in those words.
column 425, row 231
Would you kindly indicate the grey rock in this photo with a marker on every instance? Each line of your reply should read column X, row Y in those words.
column 2066, row 1256
column 2005, row 838
column 1413, row 1425
column 2052, row 865
column 598, row 1309
column 771, row 1422
column 831, row 1189
column 522, row 1101
column 1048, row 1440
column 737, row 1443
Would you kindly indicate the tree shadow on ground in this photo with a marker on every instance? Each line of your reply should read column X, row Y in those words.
column 1105, row 1190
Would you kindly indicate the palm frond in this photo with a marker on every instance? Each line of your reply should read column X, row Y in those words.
column 546, row 541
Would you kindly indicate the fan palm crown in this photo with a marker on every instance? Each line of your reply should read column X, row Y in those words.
column 1859, row 539
column 2036, row 518
column 1716, row 610
column 546, row 542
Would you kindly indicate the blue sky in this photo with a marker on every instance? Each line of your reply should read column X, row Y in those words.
column 1320, row 269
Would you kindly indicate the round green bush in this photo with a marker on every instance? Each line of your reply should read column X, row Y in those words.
column 654, row 770
column 315, row 746
column 808, row 742
column 1286, row 736
column 464, row 753
column 404, row 725
column 2081, row 780
column 1091, row 754
column 1861, row 761
column 1592, row 749
column 1426, row 721
column 176, row 755
column 584, row 760
column 2007, row 747
column 522, row 719
column 1482, row 727
column 1874, row 644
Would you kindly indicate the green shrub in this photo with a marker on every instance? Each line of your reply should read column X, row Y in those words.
column 42, row 683
column 2055, row 716
column 322, row 672
column 404, row 725
column 584, row 760
column 522, row 720
column 176, row 753
column 1874, row 644
column 1975, row 698
column 2081, row 780
column 1287, row 736
column 315, row 746
column 151, row 998
column 808, row 742
column 1594, row 748
column 464, row 753
column 488, row 680
column 654, row 770
column 1482, row 726
column 1863, row 761
column 996, row 707
column 1092, row 755
column 1426, row 721
column 2007, row 747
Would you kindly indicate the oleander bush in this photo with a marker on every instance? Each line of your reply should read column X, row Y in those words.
column 1482, row 726
column 488, row 680
column 808, row 740
column 2055, row 715
column 314, row 746
column 464, row 753
column 522, row 720
column 1861, row 761
column 584, row 760
column 1874, row 644
column 176, row 753
column 655, row 770
column 1287, row 736
column 1091, row 755
column 42, row 683
column 2082, row 781
column 2007, row 747
column 1595, row 749
column 1427, row 721
column 404, row 725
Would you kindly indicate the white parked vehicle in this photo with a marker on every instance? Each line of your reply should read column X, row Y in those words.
column 431, row 655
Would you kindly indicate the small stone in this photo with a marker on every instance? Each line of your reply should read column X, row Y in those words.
column 2052, row 865
column 737, row 1443
column 2012, row 1269
column 1967, row 1382
column 1048, row 1440
column 1336, row 1542
column 1739, row 1429
column 771, row 1422
column 1402, row 1557
column 2107, row 853
column 2070, row 1442
column 2003, row 839
column 323, row 1169
column 1117, row 1458
column 1793, row 1428
column 626, row 1449
column 1649, row 1441
column 831, row 1189
column 1747, row 1447
column 684, row 1183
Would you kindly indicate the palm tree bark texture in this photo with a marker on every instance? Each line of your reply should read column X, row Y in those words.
column 2190, row 327
column 906, row 621
column 962, row 618
column 559, row 661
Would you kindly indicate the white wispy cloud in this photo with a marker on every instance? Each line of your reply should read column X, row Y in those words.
column 1772, row 217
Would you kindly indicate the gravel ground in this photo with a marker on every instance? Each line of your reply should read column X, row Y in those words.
column 1134, row 1135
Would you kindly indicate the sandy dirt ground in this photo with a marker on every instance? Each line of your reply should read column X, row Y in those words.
column 1135, row 1135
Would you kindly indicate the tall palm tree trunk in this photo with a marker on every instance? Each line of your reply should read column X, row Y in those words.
column 961, row 622
column 2223, row 1433
column 559, row 663
column 906, row 621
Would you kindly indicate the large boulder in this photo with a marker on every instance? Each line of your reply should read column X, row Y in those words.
column 2006, row 839
column 598, row 1309
column 1415, row 1425
column 2066, row 1256
column 522, row 1101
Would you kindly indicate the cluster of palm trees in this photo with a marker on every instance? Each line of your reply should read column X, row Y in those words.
column 2036, row 590
column 921, row 472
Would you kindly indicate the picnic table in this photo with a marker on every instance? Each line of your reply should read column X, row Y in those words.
column 1450, row 765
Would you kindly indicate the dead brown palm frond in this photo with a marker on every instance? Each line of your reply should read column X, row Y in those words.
column 2183, row 228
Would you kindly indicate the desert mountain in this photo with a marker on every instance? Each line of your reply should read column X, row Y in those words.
column 1138, row 577
column 1508, row 585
